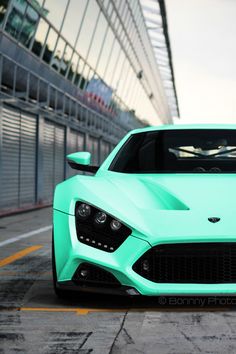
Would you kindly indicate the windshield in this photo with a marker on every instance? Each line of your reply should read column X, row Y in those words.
column 187, row 150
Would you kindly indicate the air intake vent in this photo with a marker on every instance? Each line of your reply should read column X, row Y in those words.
column 203, row 263
column 90, row 275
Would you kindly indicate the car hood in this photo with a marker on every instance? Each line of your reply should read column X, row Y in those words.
column 159, row 208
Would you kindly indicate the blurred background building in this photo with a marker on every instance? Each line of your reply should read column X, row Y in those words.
column 76, row 75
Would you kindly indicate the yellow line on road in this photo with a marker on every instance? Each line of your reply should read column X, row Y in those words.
column 78, row 311
column 86, row 311
column 18, row 255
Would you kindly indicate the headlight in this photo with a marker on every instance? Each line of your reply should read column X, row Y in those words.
column 98, row 229
column 83, row 211
column 100, row 218
column 115, row 225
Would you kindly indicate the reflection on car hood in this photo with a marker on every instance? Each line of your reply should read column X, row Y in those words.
column 159, row 207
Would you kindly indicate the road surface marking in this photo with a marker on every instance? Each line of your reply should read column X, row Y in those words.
column 19, row 255
column 49, row 309
column 86, row 311
column 28, row 234
column 78, row 311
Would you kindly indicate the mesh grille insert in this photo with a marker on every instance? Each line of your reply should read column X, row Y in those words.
column 203, row 263
column 96, row 276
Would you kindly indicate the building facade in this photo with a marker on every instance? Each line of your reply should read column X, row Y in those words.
column 74, row 75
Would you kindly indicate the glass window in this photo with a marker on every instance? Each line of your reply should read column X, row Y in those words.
column 87, row 73
column 143, row 104
column 22, row 20
column 132, row 32
column 133, row 4
column 110, row 9
column 116, row 24
column 79, row 70
column 141, row 99
column 50, row 45
column 124, row 10
column 126, row 88
column 122, row 36
column 68, row 53
column 113, row 17
column 119, row 66
column 57, row 61
column 87, row 28
column 119, row 30
column 122, row 79
column 37, row 4
column 126, row 46
column 67, row 57
column 106, row 53
column 79, row 76
column 112, row 63
column 97, row 41
column 54, row 11
column 73, row 66
column 126, row 18
column 136, row 10
column 120, row 5
column 129, row 24
column 15, row 18
column 106, row 3
column 137, row 98
column 73, row 19
column 133, row 93
column 130, row 88
column 40, row 37
column 3, row 9
column 29, row 26
column 82, row 80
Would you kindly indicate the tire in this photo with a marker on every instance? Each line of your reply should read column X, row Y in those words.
column 59, row 292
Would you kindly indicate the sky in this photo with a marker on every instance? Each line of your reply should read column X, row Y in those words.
column 203, row 43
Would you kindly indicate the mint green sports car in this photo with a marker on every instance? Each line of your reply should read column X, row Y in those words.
column 158, row 217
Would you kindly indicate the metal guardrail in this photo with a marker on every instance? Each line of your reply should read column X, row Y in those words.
column 22, row 87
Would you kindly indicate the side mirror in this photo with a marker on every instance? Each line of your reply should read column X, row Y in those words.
column 80, row 158
column 81, row 161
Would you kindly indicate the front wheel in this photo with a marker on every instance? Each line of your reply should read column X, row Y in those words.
column 59, row 292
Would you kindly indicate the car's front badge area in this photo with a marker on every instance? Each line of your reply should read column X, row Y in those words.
column 214, row 219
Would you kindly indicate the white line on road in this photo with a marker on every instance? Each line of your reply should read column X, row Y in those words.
column 28, row 234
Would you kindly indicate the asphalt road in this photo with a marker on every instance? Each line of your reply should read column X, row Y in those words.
column 33, row 320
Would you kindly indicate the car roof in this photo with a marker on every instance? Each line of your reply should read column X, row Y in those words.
column 183, row 127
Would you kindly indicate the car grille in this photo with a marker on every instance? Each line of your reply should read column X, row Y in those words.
column 204, row 263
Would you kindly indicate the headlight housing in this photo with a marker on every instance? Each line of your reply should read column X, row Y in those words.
column 98, row 229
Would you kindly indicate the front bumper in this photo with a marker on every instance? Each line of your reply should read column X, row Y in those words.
column 121, row 291
column 70, row 253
